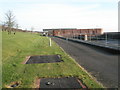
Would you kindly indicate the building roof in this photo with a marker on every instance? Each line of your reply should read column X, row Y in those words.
column 59, row 29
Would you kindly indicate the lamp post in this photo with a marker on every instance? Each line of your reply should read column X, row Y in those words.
column 106, row 38
column 97, row 37
column 90, row 36
column 80, row 36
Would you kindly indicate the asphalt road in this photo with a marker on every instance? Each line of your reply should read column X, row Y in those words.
column 99, row 63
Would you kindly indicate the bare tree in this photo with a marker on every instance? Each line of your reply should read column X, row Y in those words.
column 16, row 27
column 10, row 21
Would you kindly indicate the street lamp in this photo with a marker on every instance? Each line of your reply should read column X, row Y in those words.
column 106, row 38
column 90, row 36
column 80, row 36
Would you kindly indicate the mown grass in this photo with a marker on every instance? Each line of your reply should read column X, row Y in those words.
column 17, row 47
column 0, row 58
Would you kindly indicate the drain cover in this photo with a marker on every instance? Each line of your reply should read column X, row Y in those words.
column 65, row 82
column 14, row 85
column 44, row 59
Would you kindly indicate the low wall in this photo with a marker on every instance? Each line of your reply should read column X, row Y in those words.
column 100, row 47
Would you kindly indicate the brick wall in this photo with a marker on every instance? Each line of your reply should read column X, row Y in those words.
column 76, row 32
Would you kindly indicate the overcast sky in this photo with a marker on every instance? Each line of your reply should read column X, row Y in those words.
column 79, row 14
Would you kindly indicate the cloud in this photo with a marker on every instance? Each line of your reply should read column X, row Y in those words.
column 48, row 1
column 58, row 15
column 63, row 13
column 108, row 1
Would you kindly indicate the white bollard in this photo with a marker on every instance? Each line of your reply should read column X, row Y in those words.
column 50, row 42
column 85, row 38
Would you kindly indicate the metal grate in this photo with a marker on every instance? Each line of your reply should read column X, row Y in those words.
column 44, row 59
column 65, row 82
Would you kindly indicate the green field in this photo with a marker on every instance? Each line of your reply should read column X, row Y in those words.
column 15, row 49
column 0, row 59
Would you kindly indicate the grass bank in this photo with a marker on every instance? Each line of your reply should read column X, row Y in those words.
column 15, row 48
column 0, row 58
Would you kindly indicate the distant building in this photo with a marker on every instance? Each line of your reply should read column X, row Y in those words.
column 69, row 32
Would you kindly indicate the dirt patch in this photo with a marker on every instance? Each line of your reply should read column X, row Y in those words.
column 13, row 85
column 63, row 82
column 43, row 59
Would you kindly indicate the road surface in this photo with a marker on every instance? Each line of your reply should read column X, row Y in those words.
column 99, row 63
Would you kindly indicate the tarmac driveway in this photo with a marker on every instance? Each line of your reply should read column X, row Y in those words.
column 99, row 63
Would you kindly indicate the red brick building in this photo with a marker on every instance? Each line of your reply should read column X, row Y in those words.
column 73, row 32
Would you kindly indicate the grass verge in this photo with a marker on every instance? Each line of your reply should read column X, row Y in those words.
column 17, row 47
